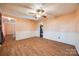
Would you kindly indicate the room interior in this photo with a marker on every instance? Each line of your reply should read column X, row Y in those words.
column 39, row 29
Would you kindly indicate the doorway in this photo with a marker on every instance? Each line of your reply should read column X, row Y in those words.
column 8, row 27
column 41, row 31
column 1, row 32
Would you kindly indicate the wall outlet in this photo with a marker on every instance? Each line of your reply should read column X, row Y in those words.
column 58, row 37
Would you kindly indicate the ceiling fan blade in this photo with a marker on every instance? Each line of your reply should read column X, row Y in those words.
column 24, row 6
column 44, row 16
column 31, row 13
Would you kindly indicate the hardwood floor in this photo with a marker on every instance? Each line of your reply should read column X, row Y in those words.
column 36, row 46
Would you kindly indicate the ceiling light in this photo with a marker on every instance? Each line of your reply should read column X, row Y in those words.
column 38, row 16
column 39, row 13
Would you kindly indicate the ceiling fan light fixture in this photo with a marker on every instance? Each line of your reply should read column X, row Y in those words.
column 38, row 16
column 40, row 10
column 40, row 13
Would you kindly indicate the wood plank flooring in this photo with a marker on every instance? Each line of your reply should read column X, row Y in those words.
column 36, row 46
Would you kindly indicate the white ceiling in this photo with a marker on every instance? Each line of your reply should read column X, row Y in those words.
column 26, row 10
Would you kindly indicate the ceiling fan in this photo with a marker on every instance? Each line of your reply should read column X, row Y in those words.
column 38, row 12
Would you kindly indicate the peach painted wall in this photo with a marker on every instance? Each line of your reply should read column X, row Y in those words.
column 25, row 28
column 64, row 28
column 65, row 23
column 25, row 24
column 28, row 25
column 21, row 28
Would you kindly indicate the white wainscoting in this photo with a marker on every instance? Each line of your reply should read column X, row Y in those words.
column 65, row 37
column 24, row 34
